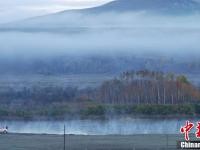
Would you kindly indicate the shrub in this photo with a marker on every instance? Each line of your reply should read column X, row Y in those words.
column 95, row 111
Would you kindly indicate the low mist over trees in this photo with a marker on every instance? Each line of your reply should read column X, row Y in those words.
column 131, row 87
column 133, row 92
column 112, row 64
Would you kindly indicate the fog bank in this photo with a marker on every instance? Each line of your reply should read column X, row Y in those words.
column 126, row 126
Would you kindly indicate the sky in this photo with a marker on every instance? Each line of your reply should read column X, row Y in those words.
column 12, row 10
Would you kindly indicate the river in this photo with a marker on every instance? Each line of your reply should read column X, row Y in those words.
column 123, row 126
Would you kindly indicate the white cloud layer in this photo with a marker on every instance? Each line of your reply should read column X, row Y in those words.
column 19, row 9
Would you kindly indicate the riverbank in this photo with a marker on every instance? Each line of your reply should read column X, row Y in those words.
column 80, row 142
column 96, row 111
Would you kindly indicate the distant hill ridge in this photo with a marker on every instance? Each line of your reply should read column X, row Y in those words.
column 65, row 18
column 162, row 6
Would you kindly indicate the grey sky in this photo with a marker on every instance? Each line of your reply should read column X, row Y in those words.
column 11, row 10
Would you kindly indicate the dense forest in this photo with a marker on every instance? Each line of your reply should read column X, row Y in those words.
column 133, row 92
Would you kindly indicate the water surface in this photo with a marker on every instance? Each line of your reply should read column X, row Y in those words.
column 123, row 126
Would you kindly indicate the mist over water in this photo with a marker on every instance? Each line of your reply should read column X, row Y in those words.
column 81, row 34
column 123, row 126
column 106, row 34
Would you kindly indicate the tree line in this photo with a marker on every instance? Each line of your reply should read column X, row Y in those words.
column 131, row 87
column 147, row 87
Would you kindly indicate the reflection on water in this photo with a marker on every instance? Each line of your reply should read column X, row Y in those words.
column 97, row 127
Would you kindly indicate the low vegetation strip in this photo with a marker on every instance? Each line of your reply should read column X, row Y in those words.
column 102, row 111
